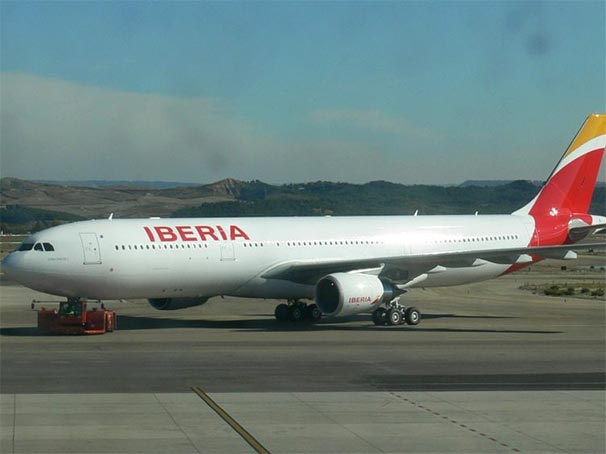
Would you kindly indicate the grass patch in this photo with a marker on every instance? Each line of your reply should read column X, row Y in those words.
column 586, row 290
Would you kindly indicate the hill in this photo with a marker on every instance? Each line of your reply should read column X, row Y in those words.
column 118, row 183
column 494, row 182
column 51, row 203
column 19, row 219
column 374, row 198
column 99, row 202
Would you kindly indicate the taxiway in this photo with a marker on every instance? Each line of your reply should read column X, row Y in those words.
column 491, row 368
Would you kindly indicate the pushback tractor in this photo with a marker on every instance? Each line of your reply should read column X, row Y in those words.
column 76, row 317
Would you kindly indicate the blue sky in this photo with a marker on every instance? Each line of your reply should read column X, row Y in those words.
column 411, row 92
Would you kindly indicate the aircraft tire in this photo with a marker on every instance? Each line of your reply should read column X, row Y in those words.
column 412, row 316
column 282, row 313
column 379, row 316
column 314, row 313
column 296, row 313
column 394, row 316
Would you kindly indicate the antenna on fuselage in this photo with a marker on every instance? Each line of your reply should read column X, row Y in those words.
column 111, row 216
column 416, row 212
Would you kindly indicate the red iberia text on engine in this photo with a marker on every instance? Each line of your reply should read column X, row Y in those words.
column 360, row 299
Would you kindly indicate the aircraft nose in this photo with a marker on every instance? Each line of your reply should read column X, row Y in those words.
column 11, row 265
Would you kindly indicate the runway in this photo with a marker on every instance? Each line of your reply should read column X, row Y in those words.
column 479, row 349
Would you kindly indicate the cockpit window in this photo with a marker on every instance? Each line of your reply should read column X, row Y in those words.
column 26, row 247
column 48, row 247
column 38, row 247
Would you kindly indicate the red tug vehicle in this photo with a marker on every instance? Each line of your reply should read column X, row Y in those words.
column 73, row 317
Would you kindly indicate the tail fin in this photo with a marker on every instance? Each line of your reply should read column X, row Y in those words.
column 569, row 189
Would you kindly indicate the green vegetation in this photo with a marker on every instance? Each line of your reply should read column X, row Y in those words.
column 556, row 290
column 589, row 289
column 20, row 219
column 255, row 198
column 375, row 198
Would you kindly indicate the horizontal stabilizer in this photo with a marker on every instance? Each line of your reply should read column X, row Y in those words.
column 579, row 229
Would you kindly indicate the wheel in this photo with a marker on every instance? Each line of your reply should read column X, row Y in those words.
column 412, row 316
column 314, row 313
column 281, row 313
column 296, row 313
column 379, row 316
column 394, row 316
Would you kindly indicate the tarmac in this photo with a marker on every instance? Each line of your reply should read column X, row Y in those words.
column 491, row 368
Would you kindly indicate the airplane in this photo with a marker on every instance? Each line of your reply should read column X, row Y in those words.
column 345, row 265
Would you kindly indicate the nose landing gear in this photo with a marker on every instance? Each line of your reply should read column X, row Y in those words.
column 296, row 311
column 396, row 314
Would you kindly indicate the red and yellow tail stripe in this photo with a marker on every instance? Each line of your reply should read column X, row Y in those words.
column 570, row 187
column 591, row 137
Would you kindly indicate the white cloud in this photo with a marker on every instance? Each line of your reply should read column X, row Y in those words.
column 54, row 129
column 58, row 129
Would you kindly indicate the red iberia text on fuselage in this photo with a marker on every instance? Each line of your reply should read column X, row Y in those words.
column 195, row 233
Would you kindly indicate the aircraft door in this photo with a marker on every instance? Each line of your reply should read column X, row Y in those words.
column 90, row 247
column 227, row 252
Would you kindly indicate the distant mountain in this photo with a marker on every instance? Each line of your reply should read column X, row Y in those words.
column 228, row 187
column 99, row 202
column 226, row 183
column 491, row 183
column 36, row 204
column 118, row 183
column 374, row 198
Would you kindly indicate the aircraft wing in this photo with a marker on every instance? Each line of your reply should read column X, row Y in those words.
column 404, row 269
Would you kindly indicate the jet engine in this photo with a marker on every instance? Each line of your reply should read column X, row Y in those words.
column 171, row 304
column 342, row 294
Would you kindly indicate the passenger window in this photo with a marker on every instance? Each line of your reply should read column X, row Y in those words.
column 38, row 247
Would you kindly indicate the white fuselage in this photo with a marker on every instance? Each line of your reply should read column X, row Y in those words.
column 171, row 258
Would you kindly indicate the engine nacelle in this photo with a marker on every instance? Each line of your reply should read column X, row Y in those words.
column 171, row 304
column 342, row 294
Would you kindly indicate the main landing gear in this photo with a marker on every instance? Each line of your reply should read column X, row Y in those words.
column 296, row 311
column 396, row 314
